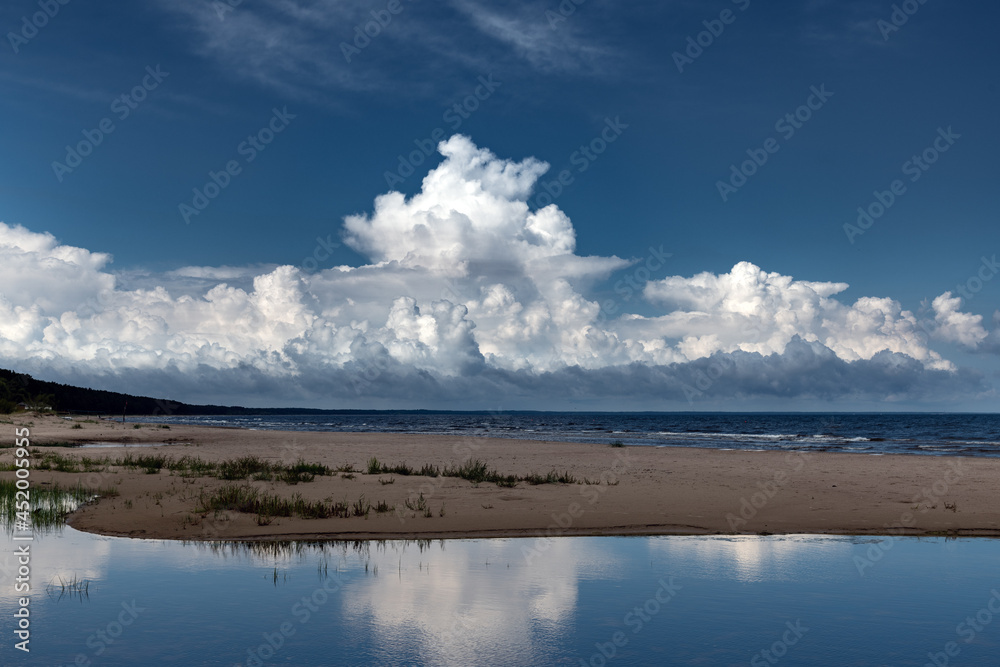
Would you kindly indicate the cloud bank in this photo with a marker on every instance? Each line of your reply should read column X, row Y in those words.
column 470, row 298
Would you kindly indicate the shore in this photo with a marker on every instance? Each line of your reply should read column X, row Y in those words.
column 614, row 490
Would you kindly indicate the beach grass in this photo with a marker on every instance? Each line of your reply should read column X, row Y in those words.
column 48, row 506
column 248, row 499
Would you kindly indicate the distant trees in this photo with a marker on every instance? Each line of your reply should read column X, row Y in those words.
column 38, row 395
column 16, row 390
column 8, row 397
column 39, row 402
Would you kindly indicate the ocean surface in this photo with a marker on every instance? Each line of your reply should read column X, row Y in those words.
column 869, row 433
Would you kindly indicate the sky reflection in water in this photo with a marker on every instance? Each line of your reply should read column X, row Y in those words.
column 672, row 600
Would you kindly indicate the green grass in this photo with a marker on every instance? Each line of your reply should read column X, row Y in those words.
column 361, row 507
column 247, row 499
column 293, row 477
column 191, row 466
column 376, row 467
column 48, row 505
column 58, row 462
column 476, row 471
column 418, row 505
column 429, row 470
column 145, row 461
column 244, row 467
column 311, row 468
column 551, row 478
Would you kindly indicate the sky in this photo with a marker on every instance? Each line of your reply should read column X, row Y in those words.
column 576, row 205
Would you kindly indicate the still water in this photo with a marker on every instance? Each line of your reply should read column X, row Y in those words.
column 792, row 600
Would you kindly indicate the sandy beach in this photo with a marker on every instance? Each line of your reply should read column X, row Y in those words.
column 616, row 490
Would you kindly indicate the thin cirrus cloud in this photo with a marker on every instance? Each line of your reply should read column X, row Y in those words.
column 296, row 47
column 468, row 295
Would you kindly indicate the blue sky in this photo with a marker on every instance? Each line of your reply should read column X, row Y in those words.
column 205, row 82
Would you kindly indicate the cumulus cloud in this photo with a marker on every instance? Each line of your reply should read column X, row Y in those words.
column 469, row 297
column 754, row 311
column 955, row 326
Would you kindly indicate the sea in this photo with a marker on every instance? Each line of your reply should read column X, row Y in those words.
column 929, row 434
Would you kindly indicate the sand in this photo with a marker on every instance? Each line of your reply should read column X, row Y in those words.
column 631, row 490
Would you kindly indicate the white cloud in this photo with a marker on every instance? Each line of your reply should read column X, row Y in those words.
column 751, row 310
column 296, row 46
column 955, row 326
column 469, row 296
column 548, row 44
column 473, row 616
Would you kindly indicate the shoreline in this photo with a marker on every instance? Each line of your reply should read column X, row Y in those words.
column 632, row 490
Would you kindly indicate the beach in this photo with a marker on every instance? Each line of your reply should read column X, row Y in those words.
column 632, row 490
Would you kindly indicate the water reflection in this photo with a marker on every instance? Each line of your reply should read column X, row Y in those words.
column 751, row 558
column 470, row 599
column 648, row 600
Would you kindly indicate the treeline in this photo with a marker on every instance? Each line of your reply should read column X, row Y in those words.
column 21, row 391
column 18, row 390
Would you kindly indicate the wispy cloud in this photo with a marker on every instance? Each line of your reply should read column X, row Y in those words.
column 298, row 47
column 558, row 46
